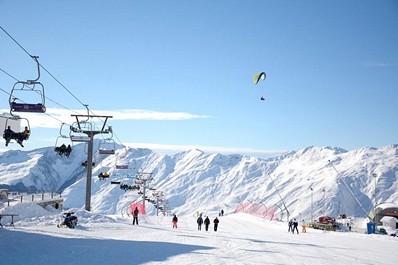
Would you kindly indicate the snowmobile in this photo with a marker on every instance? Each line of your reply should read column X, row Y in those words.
column 70, row 220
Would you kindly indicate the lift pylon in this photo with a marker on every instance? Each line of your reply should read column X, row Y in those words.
column 90, row 132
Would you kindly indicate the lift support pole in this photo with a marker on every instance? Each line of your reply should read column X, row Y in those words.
column 89, row 140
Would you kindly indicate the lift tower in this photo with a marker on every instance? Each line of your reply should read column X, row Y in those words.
column 82, row 128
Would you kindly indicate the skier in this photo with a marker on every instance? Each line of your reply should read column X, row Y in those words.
column 216, row 221
column 200, row 222
column 222, row 212
column 304, row 227
column 295, row 225
column 207, row 223
column 175, row 220
column 290, row 226
column 135, row 216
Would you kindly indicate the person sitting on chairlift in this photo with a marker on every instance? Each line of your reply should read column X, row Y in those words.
column 8, row 133
column 23, row 136
column 68, row 150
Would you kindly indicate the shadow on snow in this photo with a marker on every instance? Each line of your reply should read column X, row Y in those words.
column 45, row 249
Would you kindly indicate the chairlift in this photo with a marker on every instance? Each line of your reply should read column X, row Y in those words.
column 128, row 184
column 60, row 143
column 107, row 146
column 122, row 166
column 18, row 94
column 85, row 164
column 103, row 176
column 122, row 163
column 81, row 127
column 76, row 133
column 13, row 130
column 139, row 181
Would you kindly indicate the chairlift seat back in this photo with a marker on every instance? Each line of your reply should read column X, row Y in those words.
column 25, row 107
column 106, row 152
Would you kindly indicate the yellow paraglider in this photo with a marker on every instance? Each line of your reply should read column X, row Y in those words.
column 259, row 76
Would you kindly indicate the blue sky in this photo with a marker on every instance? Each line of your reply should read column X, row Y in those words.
column 177, row 75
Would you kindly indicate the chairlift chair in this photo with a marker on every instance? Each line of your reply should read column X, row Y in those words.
column 103, row 176
column 106, row 146
column 76, row 132
column 115, row 182
column 22, row 88
column 122, row 163
column 61, row 140
column 15, row 124
column 16, row 106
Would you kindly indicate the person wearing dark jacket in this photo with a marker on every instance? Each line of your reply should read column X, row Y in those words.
column 290, row 224
column 175, row 220
column 135, row 216
column 207, row 223
column 8, row 134
column 216, row 221
column 295, row 225
column 200, row 222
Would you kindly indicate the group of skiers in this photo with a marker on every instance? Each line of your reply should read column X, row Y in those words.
column 293, row 226
column 200, row 221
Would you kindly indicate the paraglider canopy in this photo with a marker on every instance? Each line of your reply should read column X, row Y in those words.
column 259, row 76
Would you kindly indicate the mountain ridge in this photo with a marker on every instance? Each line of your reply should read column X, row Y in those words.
column 194, row 180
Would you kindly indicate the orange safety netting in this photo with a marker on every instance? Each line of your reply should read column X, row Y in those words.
column 258, row 210
column 140, row 206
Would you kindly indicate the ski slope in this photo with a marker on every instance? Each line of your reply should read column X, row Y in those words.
column 241, row 239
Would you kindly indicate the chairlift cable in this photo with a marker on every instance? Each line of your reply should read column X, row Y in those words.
column 53, row 101
column 33, row 57
column 13, row 77
column 114, row 134
column 43, row 113
column 15, row 41
column 48, row 72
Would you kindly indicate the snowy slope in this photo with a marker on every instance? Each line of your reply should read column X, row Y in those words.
column 241, row 239
column 197, row 181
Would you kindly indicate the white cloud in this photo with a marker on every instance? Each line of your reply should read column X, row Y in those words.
column 172, row 149
column 56, row 116
column 140, row 114
column 379, row 64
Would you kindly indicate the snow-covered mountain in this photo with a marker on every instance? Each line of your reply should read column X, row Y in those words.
column 309, row 181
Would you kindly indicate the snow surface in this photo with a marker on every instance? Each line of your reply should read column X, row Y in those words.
column 241, row 239
column 195, row 181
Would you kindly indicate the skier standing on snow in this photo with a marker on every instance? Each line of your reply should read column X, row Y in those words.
column 295, row 225
column 175, row 220
column 216, row 221
column 200, row 222
column 135, row 216
column 207, row 223
column 304, row 225
column 290, row 226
